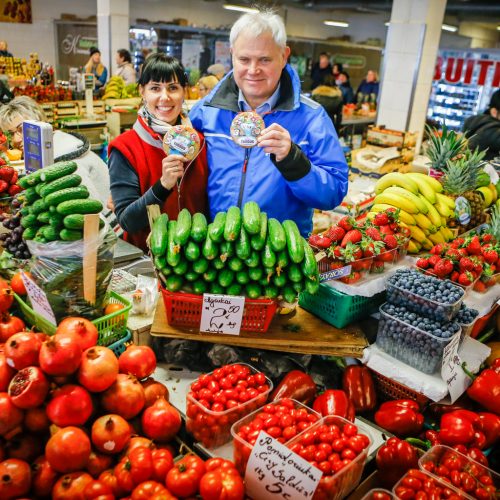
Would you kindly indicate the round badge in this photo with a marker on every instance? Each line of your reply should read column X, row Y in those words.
column 245, row 129
column 181, row 140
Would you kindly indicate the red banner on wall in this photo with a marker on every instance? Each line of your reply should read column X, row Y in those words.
column 15, row 11
column 467, row 71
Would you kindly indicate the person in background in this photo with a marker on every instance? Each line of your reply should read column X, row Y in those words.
column 206, row 84
column 125, row 68
column 95, row 67
column 344, row 85
column 217, row 70
column 330, row 97
column 3, row 49
column 320, row 70
column 336, row 70
column 141, row 172
column 369, row 85
column 484, row 130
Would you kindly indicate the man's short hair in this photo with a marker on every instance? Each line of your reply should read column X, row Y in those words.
column 257, row 23
column 495, row 100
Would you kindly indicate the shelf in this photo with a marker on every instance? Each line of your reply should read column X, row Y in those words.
column 314, row 337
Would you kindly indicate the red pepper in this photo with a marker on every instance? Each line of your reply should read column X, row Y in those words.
column 485, row 389
column 457, row 427
column 433, row 437
column 394, row 458
column 319, row 241
column 335, row 402
column 401, row 417
column 489, row 425
column 358, row 384
column 296, row 385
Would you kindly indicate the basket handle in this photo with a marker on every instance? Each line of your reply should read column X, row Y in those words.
column 90, row 234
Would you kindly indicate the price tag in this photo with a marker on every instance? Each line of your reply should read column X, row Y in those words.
column 275, row 472
column 335, row 274
column 222, row 314
column 451, row 370
column 38, row 299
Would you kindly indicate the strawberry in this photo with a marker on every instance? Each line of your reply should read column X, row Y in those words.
column 352, row 236
column 390, row 241
column 477, row 262
column 370, row 247
column 386, row 229
column 443, row 268
column 479, row 286
column 381, row 219
column 2, row 161
column 351, row 278
column 377, row 267
column 352, row 252
column 346, row 223
column 487, row 237
column 14, row 189
column 466, row 278
column 423, row 262
column 319, row 241
column 336, row 264
column 6, row 174
column 433, row 259
column 454, row 276
column 387, row 256
column 373, row 233
column 474, row 246
column 14, row 177
column 4, row 185
column 466, row 264
column 394, row 226
column 457, row 242
column 336, row 252
column 453, row 254
column 438, row 249
column 490, row 255
column 335, row 233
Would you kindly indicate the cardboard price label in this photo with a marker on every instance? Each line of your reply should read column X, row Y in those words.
column 451, row 370
column 38, row 299
column 275, row 472
column 222, row 314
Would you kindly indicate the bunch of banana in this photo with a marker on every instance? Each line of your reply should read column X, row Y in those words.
column 489, row 193
column 423, row 208
column 114, row 88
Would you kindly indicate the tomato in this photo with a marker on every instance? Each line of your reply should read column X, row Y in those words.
column 223, row 481
column 148, row 489
column 98, row 490
column 112, row 308
column 141, row 464
column 17, row 284
column 184, row 478
column 163, row 461
column 109, row 478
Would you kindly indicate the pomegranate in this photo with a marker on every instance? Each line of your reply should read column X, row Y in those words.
column 98, row 463
column 71, row 486
column 60, row 356
column 22, row 350
column 17, row 283
column 9, row 325
column 36, row 420
column 110, row 434
column 68, row 450
column 44, row 477
column 6, row 296
column 6, row 373
column 10, row 415
column 99, row 491
column 153, row 390
column 138, row 360
column 70, row 405
column 98, row 369
column 24, row 447
column 125, row 397
column 29, row 388
column 161, row 421
column 80, row 328
column 139, row 442
column 15, row 478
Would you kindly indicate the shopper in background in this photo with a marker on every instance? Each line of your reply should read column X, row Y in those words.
column 298, row 163
column 330, row 97
column 95, row 67
column 217, row 70
column 336, row 70
column 344, row 85
column 206, row 84
column 484, row 130
column 320, row 70
column 3, row 49
column 141, row 173
column 125, row 68
column 369, row 85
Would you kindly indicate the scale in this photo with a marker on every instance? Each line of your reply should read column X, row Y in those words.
column 89, row 85
column 38, row 145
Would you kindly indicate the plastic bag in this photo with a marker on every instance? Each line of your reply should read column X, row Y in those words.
column 57, row 268
column 145, row 295
column 185, row 353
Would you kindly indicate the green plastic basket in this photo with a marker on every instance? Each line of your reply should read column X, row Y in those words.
column 119, row 346
column 337, row 308
column 111, row 328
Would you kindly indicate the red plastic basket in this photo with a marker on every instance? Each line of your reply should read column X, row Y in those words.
column 184, row 309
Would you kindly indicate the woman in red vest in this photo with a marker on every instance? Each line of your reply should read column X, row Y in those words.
column 140, row 172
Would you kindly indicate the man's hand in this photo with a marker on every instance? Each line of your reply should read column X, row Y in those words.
column 172, row 169
column 275, row 140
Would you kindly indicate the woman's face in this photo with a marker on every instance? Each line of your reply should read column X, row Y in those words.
column 202, row 90
column 15, row 130
column 163, row 100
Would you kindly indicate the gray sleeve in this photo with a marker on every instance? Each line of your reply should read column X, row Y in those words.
column 130, row 205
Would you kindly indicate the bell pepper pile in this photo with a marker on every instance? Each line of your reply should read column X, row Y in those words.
column 485, row 389
column 394, row 458
column 357, row 383
column 335, row 402
column 401, row 417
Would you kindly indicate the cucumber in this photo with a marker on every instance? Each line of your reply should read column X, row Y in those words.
column 166, row 271
column 159, row 235
column 242, row 246
column 39, row 187
column 173, row 250
column 79, row 207
column 289, row 294
column 218, row 264
column 217, row 230
column 235, row 264
column 226, row 250
column 53, row 210
column 279, row 280
column 56, row 220
column 210, row 275
column 251, row 217
column 253, row 291
column 277, row 236
column 191, row 276
column 294, row 273
column 210, row 249
column 270, row 291
column 234, row 289
column 50, row 233
column 242, row 277
column 58, row 170
column 191, row 251
column 255, row 273
column 299, row 286
column 29, row 220
column 160, row 261
column 199, row 228
column 233, row 224
column 199, row 287
column 25, row 211
column 38, row 207
column 74, row 193
column 253, row 260
column 181, row 268
column 269, row 273
column 259, row 240
column 29, row 233
column 77, row 221
column 68, row 181
column 183, row 227
column 70, row 235
column 216, row 289
column 225, row 278
column 30, row 179
column 174, row 283
column 293, row 241
column 309, row 264
column 268, row 256
column 44, row 217
column 312, row 286
column 200, row 266
column 263, row 281
column 31, row 195
column 283, row 259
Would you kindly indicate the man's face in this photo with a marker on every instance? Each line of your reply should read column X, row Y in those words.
column 323, row 62
column 342, row 78
column 370, row 76
column 258, row 63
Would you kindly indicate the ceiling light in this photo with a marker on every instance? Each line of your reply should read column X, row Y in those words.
column 339, row 24
column 449, row 27
column 498, row 27
column 387, row 23
column 239, row 8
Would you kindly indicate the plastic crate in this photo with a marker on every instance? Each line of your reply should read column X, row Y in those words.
column 337, row 308
column 119, row 346
column 184, row 310
column 111, row 328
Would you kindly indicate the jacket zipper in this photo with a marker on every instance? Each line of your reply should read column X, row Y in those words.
column 243, row 176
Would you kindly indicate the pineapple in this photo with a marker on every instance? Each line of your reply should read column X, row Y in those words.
column 495, row 221
column 441, row 149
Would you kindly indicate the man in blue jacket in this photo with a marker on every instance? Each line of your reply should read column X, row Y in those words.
column 298, row 164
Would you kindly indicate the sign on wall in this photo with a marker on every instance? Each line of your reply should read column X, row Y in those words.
column 15, row 11
column 223, row 54
column 468, row 70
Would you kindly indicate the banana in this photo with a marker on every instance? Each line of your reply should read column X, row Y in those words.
column 414, row 246
column 433, row 214
column 447, row 200
column 493, row 190
column 437, row 238
column 424, row 187
column 447, row 233
column 396, row 201
column 444, row 210
column 486, row 194
column 433, row 183
column 403, row 216
column 417, row 234
column 396, row 179
column 423, row 222
column 427, row 244
column 412, row 198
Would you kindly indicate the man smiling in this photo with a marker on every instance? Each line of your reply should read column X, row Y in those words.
column 298, row 164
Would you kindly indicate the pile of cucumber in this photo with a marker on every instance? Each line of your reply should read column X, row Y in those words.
column 54, row 204
column 241, row 252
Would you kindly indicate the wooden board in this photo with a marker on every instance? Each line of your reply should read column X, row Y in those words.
column 314, row 336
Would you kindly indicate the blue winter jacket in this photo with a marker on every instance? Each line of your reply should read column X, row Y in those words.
column 313, row 175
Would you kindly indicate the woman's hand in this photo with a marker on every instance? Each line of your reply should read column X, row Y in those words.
column 172, row 169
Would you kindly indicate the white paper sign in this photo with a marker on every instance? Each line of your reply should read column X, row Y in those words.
column 38, row 299
column 451, row 370
column 275, row 472
column 222, row 314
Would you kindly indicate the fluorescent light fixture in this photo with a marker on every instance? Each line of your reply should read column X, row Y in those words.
column 449, row 27
column 498, row 27
column 239, row 8
column 339, row 24
column 387, row 23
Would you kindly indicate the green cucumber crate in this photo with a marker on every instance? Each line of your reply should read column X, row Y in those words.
column 337, row 308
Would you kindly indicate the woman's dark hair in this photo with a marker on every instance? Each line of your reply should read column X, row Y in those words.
column 339, row 67
column 495, row 100
column 162, row 68
column 345, row 73
column 125, row 55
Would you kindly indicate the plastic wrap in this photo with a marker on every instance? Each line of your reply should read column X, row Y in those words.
column 57, row 268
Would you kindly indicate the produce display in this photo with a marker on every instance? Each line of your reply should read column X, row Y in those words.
column 44, row 93
column 240, row 253
column 116, row 89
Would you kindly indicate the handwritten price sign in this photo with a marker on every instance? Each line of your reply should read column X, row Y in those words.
column 451, row 370
column 38, row 299
column 222, row 314
column 275, row 472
